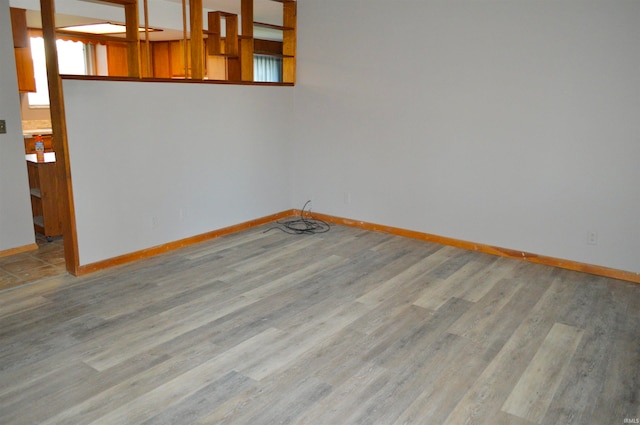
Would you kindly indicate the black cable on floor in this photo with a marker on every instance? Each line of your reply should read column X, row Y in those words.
column 303, row 225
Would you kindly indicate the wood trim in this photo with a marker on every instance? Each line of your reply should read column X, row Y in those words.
column 170, row 80
column 182, row 243
column 487, row 249
column 59, row 126
column 18, row 250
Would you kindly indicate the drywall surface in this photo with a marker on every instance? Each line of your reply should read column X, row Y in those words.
column 514, row 124
column 153, row 163
column 16, row 225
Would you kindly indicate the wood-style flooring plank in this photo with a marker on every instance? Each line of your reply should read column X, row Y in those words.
column 533, row 393
column 485, row 397
column 345, row 327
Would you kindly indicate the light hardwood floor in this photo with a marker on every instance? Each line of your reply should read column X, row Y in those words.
column 347, row 327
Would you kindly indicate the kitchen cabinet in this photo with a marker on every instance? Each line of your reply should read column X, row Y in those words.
column 168, row 59
column 19, row 27
column 43, row 185
column 118, row 62
column 22, row 51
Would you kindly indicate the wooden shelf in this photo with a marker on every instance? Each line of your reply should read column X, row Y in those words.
column 38, row 221
column 45, row 202
column 231, row 57
column 272, row 26
column 277, row 55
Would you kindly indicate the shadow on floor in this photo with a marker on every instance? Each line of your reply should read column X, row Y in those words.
column 47, row 261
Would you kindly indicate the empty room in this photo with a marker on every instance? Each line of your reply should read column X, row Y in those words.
column 320, row 212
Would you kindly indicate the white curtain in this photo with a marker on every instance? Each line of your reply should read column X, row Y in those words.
column 267, row 68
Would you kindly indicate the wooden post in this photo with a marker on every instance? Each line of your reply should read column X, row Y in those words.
column 133, row 38
column 197, row 40
column 185, row 54
column 147, row 43
column 60, row 146
column 289, row 41
column 246, row 41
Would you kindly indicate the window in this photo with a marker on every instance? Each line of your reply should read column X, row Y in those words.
column 72, row 59
column 267, row 69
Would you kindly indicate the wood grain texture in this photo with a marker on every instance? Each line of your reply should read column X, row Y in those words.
column 533, row 393
column 345, row 327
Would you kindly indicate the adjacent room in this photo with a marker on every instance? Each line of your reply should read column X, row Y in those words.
column 465, row 172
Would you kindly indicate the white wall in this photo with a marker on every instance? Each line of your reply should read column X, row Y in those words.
column 196, row 157
column 16, row 225
column 515, row 124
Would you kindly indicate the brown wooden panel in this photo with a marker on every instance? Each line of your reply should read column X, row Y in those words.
column 267, row 47
column 22, row 51
column 117, row 59
column 161, row 59
column 19, row 27
column 24, row 69
column 176, row 53
column 216, row 67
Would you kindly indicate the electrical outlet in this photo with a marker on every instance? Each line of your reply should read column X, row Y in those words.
column 3, row 126
column 592, row 237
